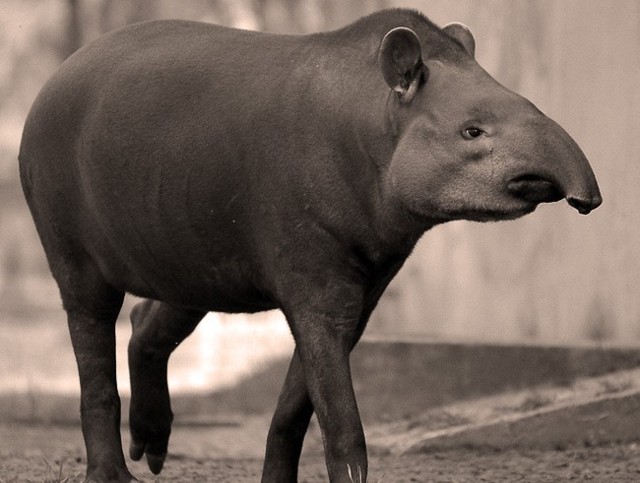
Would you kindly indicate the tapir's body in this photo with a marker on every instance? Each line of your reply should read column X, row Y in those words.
column 209, row 168
column 220, row 169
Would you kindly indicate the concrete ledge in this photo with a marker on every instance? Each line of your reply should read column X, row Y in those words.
column 395, row 380
column 610, row 419
column 591, row 411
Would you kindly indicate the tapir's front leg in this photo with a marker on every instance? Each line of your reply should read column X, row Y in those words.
column 291, row 421
column 324, row 341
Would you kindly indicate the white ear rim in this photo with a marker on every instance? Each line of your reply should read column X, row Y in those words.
column 468, row 41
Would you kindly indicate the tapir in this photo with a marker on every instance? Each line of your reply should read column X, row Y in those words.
column 205, row 168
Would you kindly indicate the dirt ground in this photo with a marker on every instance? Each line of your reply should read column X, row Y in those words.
column 601, row 413
column 214, row 454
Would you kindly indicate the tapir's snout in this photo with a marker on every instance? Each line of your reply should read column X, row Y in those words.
column 559, row 170
column 536, row 189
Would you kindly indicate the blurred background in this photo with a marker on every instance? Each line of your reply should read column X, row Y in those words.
column 552, row 278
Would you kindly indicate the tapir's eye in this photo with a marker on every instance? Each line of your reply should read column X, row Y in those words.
column 472, row 132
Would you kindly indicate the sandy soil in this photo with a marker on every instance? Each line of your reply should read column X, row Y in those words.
column 56, row 454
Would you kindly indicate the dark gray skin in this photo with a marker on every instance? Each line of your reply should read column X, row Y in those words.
column 213, row 169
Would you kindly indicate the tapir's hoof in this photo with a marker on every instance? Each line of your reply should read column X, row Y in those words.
column 136, row 450
column 155, row 462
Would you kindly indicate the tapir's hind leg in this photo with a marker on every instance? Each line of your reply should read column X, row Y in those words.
column 158, row 328
column 92, row 308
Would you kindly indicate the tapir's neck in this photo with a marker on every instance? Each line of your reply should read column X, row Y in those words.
column 348, row 106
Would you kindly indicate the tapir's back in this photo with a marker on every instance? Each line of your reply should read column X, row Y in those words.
column 157, row 87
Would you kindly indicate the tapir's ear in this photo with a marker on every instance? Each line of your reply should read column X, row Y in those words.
column 462, row 34
column 401, row 64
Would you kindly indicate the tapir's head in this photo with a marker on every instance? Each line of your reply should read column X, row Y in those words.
column 467, row 147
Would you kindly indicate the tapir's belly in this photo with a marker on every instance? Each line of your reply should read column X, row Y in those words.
column 226, row 285
column 170, row 260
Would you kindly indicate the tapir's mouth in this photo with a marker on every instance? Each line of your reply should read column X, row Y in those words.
column 535, row 188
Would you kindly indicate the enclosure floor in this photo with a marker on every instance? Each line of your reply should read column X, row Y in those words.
column 56, row 454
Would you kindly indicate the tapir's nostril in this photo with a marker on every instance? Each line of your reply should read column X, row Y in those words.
column 585, row 207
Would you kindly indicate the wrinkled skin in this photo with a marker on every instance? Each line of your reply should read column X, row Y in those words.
column 212, row 169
